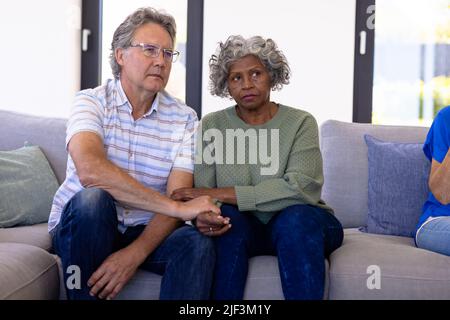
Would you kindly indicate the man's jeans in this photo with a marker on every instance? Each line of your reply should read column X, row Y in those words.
column 87, row 234
column 434, row 235
column 302, row 236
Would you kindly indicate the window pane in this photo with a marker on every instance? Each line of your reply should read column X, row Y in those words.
column 114, row 12
column 412, row 61
column 41, row 56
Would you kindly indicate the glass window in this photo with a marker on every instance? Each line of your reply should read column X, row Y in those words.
column 114, row 12
column 412, row 61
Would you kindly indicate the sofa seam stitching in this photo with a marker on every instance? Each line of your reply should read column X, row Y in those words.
column 31, row 280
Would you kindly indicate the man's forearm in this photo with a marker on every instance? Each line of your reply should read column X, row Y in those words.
column 127, row 190
column 154, row 234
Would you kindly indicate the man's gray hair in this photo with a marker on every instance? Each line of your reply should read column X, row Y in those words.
column 237, row 47
column 124, row 33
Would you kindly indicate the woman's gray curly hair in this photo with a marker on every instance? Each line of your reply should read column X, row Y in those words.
column 124, row 33
column 237, row 47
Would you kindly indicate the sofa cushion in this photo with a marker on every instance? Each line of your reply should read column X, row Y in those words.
column 263, row 279
column 345, row 164
column 36, row 235
column 263, row 282
column 27, row 272
column 27, row 187
column 47, row 133
column 406, row 272
column 398, row 186
column 144, row 285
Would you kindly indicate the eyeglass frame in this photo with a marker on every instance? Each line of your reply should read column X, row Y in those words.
column 144, row 46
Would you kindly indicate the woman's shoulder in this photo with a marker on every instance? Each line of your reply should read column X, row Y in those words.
column 216, row 117
column 298, row 115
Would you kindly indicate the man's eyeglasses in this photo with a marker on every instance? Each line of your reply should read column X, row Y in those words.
column 153, row 51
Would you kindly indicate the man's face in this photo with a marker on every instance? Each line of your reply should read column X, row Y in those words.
column 143, row 72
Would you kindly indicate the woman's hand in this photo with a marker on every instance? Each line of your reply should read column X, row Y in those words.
column 225, row 195
column 186, row 194
column 212, row 224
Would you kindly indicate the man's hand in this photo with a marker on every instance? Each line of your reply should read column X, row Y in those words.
column 191, row 209
column 212, row 224
column 115, row 272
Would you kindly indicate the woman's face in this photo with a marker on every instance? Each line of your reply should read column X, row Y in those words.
column 249, row 83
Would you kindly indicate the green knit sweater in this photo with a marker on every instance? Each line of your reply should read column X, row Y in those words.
column 266, row 180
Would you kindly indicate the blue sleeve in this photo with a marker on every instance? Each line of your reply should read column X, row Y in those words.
column 437, row 142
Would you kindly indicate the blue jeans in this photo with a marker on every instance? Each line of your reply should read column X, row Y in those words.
column 301, row 236
column 87, row 234
column 434, row 235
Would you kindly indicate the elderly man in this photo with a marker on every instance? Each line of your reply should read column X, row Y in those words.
column 130, row 145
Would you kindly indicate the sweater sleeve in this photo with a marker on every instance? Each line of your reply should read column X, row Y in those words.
column 204, row 172
column 301, row 182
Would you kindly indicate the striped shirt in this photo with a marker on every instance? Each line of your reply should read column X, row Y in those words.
column 147, row 149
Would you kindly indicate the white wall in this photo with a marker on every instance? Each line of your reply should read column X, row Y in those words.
column 40, row 55
column 317, row 38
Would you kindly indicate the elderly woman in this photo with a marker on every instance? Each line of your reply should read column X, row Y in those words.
column 270, row 205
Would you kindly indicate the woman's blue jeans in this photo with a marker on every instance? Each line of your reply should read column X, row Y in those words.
column 434, row 235
column 301, row 236
column 87, row 234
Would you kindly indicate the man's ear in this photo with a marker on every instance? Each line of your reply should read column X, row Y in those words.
column 119, row 54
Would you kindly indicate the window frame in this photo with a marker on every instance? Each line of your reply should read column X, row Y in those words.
column 364, row 63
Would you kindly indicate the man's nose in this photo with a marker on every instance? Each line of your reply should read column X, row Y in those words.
column 159, row 59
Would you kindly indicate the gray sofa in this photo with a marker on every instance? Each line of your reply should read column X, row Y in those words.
column 29, row 270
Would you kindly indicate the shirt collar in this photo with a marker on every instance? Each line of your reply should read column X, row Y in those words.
column 122, row 100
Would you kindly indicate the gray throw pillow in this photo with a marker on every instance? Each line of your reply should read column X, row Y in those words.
column 27, row 187
column 398, row 186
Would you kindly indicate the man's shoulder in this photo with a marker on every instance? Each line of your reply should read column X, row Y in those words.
column 173, row 106
column 98, row 94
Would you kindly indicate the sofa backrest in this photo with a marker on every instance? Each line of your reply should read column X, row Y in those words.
column 47, row 133
column 343, row 148
column 345, row 163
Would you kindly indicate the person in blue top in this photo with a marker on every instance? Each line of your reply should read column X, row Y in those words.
column 433, row 228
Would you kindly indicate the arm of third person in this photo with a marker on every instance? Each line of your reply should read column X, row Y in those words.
column 439, row 181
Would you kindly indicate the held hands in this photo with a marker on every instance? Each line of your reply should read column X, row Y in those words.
column 191, row 209
column 212, row 224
